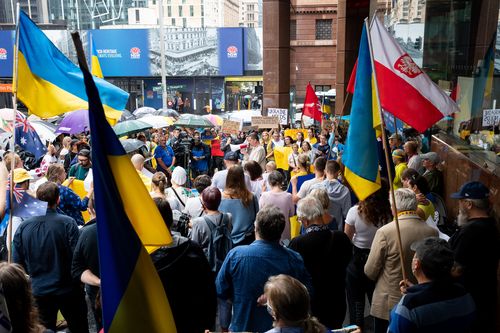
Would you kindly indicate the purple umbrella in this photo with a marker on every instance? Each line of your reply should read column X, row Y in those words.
column 74, row 122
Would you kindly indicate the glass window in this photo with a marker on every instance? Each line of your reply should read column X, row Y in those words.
column 173, row 23
column 191, row 10
column 184, row 22
column 323, row 29
column 137, row 16
column 293, row 29
column 180, row 11
column 169, row 11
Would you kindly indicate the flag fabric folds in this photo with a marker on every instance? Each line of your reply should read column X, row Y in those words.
column 95, row 66
column 404, row 89
column 27, row 138
column 49, row 83
column 360, row 156
column 312, row 108
column 128, row 222
column 483, row 81
column 24, row 205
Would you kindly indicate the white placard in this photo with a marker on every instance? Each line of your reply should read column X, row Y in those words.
column 491, row 117
column 281, row 113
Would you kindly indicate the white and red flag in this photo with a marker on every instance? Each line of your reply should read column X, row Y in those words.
column 404, row 89
column 312, row 107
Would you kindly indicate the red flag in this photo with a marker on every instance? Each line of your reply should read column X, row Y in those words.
column 312, row 108
column 352, row 79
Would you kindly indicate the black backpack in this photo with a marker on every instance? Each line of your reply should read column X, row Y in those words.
column 220, row 242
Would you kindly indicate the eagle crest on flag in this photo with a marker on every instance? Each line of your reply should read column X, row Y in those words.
column 407, row 66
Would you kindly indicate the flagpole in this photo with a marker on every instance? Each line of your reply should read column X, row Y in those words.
column 384, row 143
column 13, row 139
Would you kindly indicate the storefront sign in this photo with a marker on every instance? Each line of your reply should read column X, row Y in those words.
column 281, row 113
column 265, row 122
column 5, row 88
column 231, row 126
column 6, row 53
column 491, row 117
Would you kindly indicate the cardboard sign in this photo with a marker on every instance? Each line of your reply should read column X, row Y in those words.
column 266, row 122
column 491, row 117
column 281, row 113
column 231, row 126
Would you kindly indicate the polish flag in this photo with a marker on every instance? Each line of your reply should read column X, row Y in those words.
column 312, row 108
column 404, row 89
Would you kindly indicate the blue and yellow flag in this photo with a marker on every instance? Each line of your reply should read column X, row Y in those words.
column 49, row 84
column 95, row 66
column 483, row 81
column 360, row 156
column 133, row 298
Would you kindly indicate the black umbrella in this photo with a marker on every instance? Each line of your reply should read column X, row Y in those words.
column 167, row 113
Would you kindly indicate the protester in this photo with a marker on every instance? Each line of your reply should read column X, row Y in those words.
column 194, row 207
column 200, row 156
column 311, row 137
column 257, row 182
column 306, row 149
column 164, row 156
column 240, row 281
column 219, row 178
column 395, row 142
column 362, row 222
column 432, row 174
column 66, row 147
column 288, row 303
column 383, row 264
column 51, row 239
column 322, row 148
column 7, row 158
column 278, row 198
column 435, row 304
column 187, row 279
column 425, row 207
column 322, row 196
column 476, row 246
column 242, row 204
column 81, row 169
column 293, row 157
column 138, row 163
column 217, row 155
column 178, row 194
column 16, row 288
column 69, row 202
column 328, row 270
column 307, row 186
column 257, row 152
column 414, row 159
column 300, row 139
column 303, row 166
column 398, row 157
column 49, row 158
column 158, row 185
column 340, row 197
column 71, row 155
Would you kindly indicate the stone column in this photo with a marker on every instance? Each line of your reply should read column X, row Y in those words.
column 276, row 68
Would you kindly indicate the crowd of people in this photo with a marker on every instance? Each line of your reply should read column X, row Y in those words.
column 257, row 248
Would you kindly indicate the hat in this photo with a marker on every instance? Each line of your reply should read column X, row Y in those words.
column 231, row 156
column 179, row 176
column 396, row 136
column 435, row 255
column 432, row 156
column 399, row 153
column 472, row 190
column 21, row 175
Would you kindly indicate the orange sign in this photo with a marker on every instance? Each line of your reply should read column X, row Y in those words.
column 5, row 87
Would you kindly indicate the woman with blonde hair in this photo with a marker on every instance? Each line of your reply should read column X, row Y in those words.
column 303, row 166
column 16, row 288
column 288, row 303
column 242, row 204
column 158, row 185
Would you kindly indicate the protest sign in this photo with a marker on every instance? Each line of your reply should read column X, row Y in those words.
column 293, row 132
column 281, row 113
column 491, row 117
column 231, row 126
column 281, row 157
column 266, row 122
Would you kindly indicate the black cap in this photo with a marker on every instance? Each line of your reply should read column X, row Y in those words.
column 435, row 255
column 231, row 156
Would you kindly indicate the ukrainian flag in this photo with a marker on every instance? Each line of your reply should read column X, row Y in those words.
column 133, row 297
column 483, row 81
column 360, row 156
column 95, row 66
column 49, row 84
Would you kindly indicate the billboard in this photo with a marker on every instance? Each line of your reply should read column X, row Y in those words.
column 191, row 52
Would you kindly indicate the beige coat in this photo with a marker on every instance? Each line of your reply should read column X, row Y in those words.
column 383, row 265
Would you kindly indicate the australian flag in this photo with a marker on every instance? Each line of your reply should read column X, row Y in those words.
column 27, row 138
column 24, row 205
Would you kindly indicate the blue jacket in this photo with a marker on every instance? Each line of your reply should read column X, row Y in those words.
column 243, row 275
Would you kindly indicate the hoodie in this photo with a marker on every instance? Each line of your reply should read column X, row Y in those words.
column 340, row 200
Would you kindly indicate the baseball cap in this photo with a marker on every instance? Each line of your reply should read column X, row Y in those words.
column 396, row 136
column 431, row 156
column 472, row 190
column 398, row 153
column 435, row 256
column 21, row 175
column 231, row 156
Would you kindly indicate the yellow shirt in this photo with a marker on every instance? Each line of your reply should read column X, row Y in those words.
column 398, row 182
column 427, row 209
column 145, row 180
column 298, row 173
column 311, row 141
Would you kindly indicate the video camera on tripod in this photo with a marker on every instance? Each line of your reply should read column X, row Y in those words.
column 182, row 150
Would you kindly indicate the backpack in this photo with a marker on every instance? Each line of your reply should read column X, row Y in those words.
column 220, row 243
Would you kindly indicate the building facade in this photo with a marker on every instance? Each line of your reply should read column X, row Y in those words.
column 250, row 13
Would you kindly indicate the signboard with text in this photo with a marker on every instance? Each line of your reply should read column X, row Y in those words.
column 281, row 113
column 265, row 122
column 231, row 126
column 491, row 117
